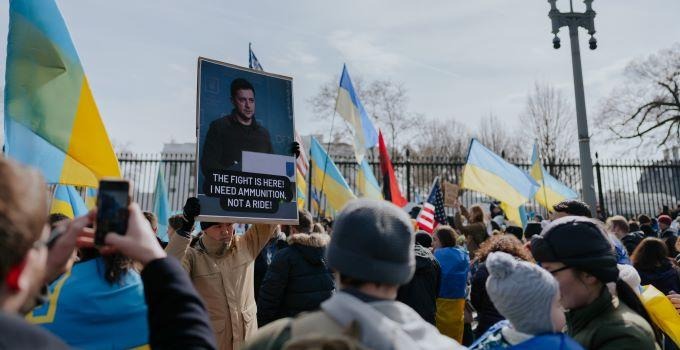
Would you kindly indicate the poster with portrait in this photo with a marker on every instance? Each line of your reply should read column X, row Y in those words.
column 245, row 168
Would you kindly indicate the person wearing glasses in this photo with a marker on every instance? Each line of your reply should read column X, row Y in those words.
column 602, row 311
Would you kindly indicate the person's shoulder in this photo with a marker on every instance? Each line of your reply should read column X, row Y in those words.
column 270, row 337
column 25, row 335
column 225, row 121
column 623, row 326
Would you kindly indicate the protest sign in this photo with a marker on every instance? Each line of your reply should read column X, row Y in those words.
column 246, row 168
column 450, row 194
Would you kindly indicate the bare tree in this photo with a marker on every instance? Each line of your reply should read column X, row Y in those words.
column 646, row 107
column 441, row 138
column 499, row 137
column 385, row 102
column 550, row 122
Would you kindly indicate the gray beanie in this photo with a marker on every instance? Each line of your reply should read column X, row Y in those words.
column 522, row 292
column 372, row 241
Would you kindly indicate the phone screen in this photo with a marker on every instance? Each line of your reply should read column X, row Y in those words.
column 112, row 209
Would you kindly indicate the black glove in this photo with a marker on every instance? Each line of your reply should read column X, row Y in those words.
column 296, row 149
column 192, row 208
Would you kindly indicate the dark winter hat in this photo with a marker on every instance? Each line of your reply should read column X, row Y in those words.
column 372, row 241
column 515, row 231
column 573, row 207
column 665, row 219
column 206, row 225
column 579, row 243
column 424, row 239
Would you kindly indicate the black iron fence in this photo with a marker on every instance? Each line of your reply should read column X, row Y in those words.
column 624, row 187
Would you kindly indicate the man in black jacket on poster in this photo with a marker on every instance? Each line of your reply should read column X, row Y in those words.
column 228, row 136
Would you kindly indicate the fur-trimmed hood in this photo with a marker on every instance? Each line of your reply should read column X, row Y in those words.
column 310, row 246
column 318, row 240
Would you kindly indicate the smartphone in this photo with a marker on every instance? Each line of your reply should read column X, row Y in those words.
column 113, row 200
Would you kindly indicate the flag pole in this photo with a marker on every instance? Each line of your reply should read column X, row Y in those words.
column 330, row 138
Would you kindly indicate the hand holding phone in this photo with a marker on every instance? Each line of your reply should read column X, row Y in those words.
column 113, row 200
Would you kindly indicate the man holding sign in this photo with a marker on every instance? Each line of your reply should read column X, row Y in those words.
column 220, row 266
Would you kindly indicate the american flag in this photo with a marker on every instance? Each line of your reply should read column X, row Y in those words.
column 432, row 213
column 302, row 162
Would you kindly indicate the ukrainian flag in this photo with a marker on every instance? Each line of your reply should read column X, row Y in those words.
column 67, row 201
column 301, row 185
column 51, row 120
column 517, row 215
column 352, row 110
column 328, row 181
column 90, row 198
column 367, row 185
column 488, row 173
column 161, row 207
column 551, row 190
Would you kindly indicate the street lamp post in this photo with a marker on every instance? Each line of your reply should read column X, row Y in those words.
column 574, row 20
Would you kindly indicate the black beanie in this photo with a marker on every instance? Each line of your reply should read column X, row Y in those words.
column 206, row 225
column 424, row 239
column 579, row 243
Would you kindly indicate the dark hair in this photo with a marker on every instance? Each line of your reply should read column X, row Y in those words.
column 650, row 254
column 633, row 226
column 476, row 214
column 423, row 239
column 151, row 218
column 503, row 243
column 240, row 84
column 115, row 265
column 573, row 207
column 304, row 221
column 176, row 222
column 515, row 231
column 644, row 219
column 54, row 218
column 532, row 229
column 626, row 295
column 447, row 235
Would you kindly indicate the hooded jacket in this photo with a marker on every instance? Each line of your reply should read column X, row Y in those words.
column 421, row 292
column 455, row 267
column 378, row 325
column 223, row 276
column 297, row 280
column 487, row 314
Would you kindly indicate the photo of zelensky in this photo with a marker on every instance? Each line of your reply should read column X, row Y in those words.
column 246, row 167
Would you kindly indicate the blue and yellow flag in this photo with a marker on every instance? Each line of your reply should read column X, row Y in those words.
column 367, row 185
column 301, row 186
column 516, row 215
column 51, row 120
column 88, row 312
column 488, row 173
column 90, row 198
column 161, row 208
column 551, row 191
column 352, row 110
column 327, row 180
column 67, row 201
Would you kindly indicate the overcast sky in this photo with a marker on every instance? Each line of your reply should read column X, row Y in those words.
column 458, row 59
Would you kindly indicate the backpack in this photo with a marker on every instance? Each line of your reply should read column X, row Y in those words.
column 317, row 331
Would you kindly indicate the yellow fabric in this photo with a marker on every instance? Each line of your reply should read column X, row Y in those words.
column 480, row 180
column 512, row 213
column 450, row 318
column 301, row 186
column 365, row 188
column 61, row 207
column 89, row 145
column 662, row 312
column 546, row 197
column 348, row 111
column 336, row 194
column 52, row 309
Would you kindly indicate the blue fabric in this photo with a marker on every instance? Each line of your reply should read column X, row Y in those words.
column 493, row 339
column 455, row 267
column 90, row 313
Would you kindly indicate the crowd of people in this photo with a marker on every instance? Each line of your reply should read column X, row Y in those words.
column 367, row 280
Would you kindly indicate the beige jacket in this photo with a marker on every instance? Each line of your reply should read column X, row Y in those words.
column 223, row 276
